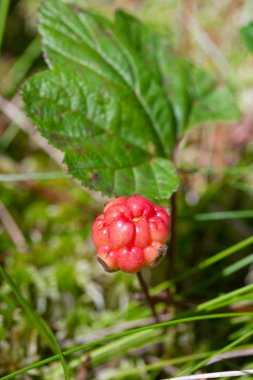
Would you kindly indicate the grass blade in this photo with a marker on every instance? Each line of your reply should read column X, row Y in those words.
column 224, row 349
column 23, row 65
column 4, row 6
column 215, row 258
column 38, row 322
column 115, row 336
column 238, row 265
column 210, row 305
column 143, row 369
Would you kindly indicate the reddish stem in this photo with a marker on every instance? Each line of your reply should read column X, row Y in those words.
column 172, row 244
column 149, row 300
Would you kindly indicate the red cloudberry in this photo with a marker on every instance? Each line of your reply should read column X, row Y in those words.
column 131, row 234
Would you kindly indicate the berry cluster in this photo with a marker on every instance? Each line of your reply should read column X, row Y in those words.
column 130, row 234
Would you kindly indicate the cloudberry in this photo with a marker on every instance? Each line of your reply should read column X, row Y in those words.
column 131, row 234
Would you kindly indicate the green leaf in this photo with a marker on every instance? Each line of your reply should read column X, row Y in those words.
column 247, row 36
column 92, row 127
column 115, row 101
column 86, row 43
column 218, row 105
column 4, row 7
column 191, row 90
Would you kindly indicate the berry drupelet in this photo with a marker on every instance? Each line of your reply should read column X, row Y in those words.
column 131, row 234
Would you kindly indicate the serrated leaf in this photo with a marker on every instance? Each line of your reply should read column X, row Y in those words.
column 107, row 101
column 84, row 41
column 156, row 179
column 191, row 90
column 93, row 128
column 76, row 107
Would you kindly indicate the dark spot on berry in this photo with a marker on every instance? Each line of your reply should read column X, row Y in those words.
column 105, row 266
column 161, row 253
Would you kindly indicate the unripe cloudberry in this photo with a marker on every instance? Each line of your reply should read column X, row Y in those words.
column 130, row 234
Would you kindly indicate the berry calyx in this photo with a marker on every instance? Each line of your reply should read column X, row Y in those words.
column 131, row 234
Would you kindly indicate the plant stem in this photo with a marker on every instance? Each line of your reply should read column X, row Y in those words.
column 173, row 204
column 23, row 65
column 173, row 235
column 144, row 288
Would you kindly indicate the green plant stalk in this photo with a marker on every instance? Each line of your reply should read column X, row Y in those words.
column 214, row 259
column 4, row 7
column 231, row 269
column 8, row 136
column 122, row 334
column 23, row 65
column 37, row 321
column 241, row 298
column 209, row 305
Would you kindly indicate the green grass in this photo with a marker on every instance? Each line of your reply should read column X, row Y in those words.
column 4, row 6
column 37, row 321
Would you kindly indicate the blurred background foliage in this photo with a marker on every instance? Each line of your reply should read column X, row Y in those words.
column 45, row 217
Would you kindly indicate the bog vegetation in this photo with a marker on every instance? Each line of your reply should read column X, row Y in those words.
column 123, row 104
